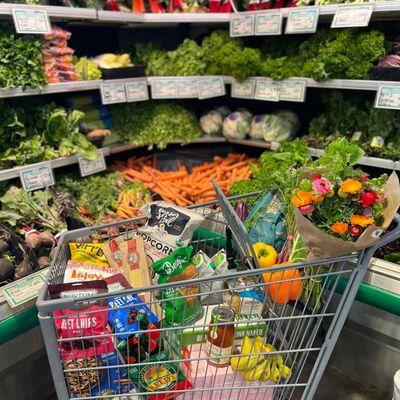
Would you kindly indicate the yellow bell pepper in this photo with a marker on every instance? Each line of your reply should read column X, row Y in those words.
column 266, row 254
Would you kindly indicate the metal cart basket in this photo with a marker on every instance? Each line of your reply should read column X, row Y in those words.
column 169, row 359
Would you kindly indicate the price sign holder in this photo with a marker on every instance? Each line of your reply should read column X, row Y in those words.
column 241, row 24
column 38, row 177
column 187, row 88
column 137, row 91
column 243, row 90
column 211, row 87
column 267, row 90
column 268, row 24
column 112, row 93
column 293, row 90
column 388, row 96
column 31, row 21
column 302, row 20
column 352, row 16
column 90, row 167
column 163, row 88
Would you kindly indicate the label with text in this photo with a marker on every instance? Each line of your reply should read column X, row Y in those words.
column 241, row 24
column 90, row 167
column 304, row 20
column 267, row 90
column 243, row 90
column 352, row 16
column 31, row 21
column 136, row 91
column 163, row 89
column 112, row 93
column 292, row 90
column 37, row 177
column 211, row 87
column 187, row 88
column 388, row 96
column 268, row 24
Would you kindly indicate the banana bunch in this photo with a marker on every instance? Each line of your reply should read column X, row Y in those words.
column 260, row 366
column 110, row 60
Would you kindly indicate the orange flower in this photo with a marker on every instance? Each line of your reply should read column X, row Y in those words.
column 339, row 227
column 351, row 186
column 361, row 220
column 302, row 198
column 317, row 199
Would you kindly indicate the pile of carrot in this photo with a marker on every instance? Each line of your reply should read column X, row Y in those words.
column 181, row 187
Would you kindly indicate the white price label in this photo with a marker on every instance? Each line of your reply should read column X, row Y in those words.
column 37, row 177
column 352, row 16
column 241, row 24
column 112, row 93
column 303, row 20
column 269, row 24
column 31, row 21
column 25, row 289
column 187, row 88
column 90, row 167
column 136, row 91
column 163, row 89
column 292, row 90
column 388, row 96
column 267, row 90
column 243, row 90
column 211, row 87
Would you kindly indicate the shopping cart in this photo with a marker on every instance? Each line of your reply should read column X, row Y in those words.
column 167, row 359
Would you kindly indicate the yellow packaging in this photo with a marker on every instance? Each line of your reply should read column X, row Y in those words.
column 88, row 253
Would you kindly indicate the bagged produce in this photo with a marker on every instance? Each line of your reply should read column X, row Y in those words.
column 279, row 128
column 211, row 122
column 236, row 125
column 259, row 126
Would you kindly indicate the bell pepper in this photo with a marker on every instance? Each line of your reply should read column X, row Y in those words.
column 266, row 254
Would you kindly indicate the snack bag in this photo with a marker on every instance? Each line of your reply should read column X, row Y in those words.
column 88, row 253
column 112, row 252
column 167, row 228
column 174, row 268
column 116, row 283
column 76, row 272
column 205, row 268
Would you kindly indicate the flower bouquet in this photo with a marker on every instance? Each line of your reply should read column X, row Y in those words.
column 340, row 209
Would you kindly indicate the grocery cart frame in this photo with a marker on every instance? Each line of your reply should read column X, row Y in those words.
column 294, row 341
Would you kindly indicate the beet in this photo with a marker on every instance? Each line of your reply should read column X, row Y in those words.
column 3, row 246
column 34, row 241
column 7, row 269
column 47, row 239
column 23, row 268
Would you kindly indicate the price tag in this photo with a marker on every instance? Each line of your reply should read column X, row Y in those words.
column 25, row 289
column 352, row 16
column 292, row 90
column 136, row 91
column 267, row 90
column 37, row 177
column 211, row 87
column 388, row 96
column 163, row 89
column 241, row 24
column 269, row 24
column 243, row 90
column 187, row 88
column 303, row 20
column 112, row 93
column 90, row 167
column 31, row 21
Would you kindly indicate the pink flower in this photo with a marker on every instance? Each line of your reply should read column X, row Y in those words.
column 306, row 210
column 321, row 185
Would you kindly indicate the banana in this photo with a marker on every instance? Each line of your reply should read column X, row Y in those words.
column 268, row 348
column 279, row 361
column 256, row 373
column 286, row 372
column 246, row 345
column 275, row 374
column 244, row 363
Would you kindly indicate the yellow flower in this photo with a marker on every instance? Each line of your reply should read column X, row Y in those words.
column 302, row 198
column 351, row 186
column 339, row 227
column 361, row 220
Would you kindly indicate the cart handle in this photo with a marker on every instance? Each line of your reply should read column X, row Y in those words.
column 389, row 236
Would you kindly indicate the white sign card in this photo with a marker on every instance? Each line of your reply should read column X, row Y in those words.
column 90, row 167
column 163, row 88
column 112, row 93
column 136, row 91
column 187, row 88
column 37, row 177
column 268, row 24
column 388, row 96
column 243, row 90
column 31, row 21
column 292, row 90
column 267, row 90
column 352, row 16
column 211, row 87
column 302, row 20
column 241, row 24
